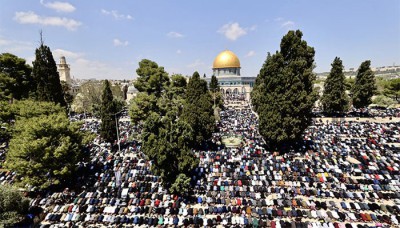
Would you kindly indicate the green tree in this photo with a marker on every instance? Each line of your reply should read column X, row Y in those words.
column 214, row 86
column 216, row 94
column 13, row 206
column 47, row 79
column 167, row 139
column 198, row 110
column 383, row 101
column 284, row 96
column 364, row 86
column 152, row 78
column 67, row 93
column 88, row 98
column 125, row 91
column 6, row 85
column 334, row 98
column 22, row 109
column 45, row 147
column 392, row 89
column 16, row 81
column 178, row 85
column 108, row 129
column 349, row 83
column 141, row 106
column 257, row 94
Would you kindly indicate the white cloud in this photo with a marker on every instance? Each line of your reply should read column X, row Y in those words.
column 118, row 42
column 84, row 67
column 174, row 35
column 57, row 53
column 250, row 53
column 196, row 63
column 59, row 6
column 232, row 31
column 287, row 24
column 15, row 46
column 278, row 19
column 32, row 18
column 253, row 28
column 178, row 51
column 116, row 15
column 4, row 42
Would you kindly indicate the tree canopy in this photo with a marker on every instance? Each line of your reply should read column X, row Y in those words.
column 108, row 129
column 167, row 138
column 45, row 147
column 214, row 86
column 364, row 87
column 392, row 89
column 283, row 96
column 151, row 78
column 334, row 98
column 88, row 98
column 47, row 80
column 16, row 81
column 13, row 206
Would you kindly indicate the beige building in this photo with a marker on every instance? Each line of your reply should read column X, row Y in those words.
column 64, row 72
column 226, row 68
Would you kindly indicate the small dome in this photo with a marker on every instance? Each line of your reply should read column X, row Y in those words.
column 226, row 59
column 132, row 89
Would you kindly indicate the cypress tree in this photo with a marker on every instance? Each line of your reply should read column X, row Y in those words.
column 257, row 93
column 108, row 129
column 198, row 110
column 335, row 98
column 284, row 95
column 47, row 80
column 214, row 87
column 364, row 86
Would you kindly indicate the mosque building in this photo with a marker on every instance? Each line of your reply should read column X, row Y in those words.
column 226, row 68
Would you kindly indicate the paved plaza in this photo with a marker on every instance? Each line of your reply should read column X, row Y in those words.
column 345, row 174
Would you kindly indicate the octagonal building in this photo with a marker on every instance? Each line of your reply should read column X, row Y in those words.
column 226, row 68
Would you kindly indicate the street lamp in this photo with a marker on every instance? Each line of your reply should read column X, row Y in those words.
column 116, row 126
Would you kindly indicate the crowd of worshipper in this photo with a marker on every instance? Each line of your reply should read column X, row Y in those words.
column 234, row 97
column 345, row 175
column 372, row 112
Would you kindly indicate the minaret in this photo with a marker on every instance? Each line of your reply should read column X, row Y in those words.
column 64, row 71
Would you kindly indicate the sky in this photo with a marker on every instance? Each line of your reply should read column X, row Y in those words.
column 107, row 39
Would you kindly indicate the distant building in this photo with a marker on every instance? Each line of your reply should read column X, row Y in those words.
column 131, row 93
column 64, row 72
column 226, row 68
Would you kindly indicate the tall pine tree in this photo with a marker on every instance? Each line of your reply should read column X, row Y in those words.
column 257, row 94
column 47, row 80
column 335, row 98
column 214, row 87
column 108, row 111
column 198, row 110
column 284, row 95
column 364, row 86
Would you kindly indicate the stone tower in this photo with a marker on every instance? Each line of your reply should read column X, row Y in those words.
column 64, row 71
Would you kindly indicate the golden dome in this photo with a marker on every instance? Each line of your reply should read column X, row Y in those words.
column 226, row 59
